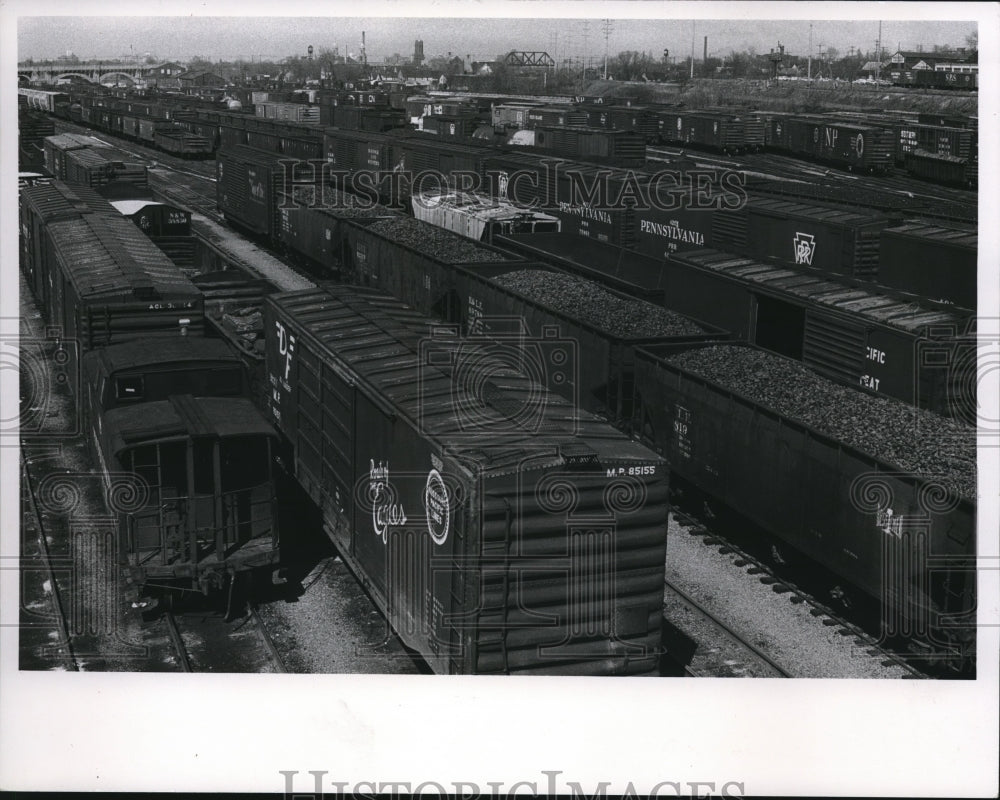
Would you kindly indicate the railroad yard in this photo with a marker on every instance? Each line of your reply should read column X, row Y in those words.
column 665, row 390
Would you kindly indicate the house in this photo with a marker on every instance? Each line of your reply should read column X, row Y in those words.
column 199, row 78
column 163, row 75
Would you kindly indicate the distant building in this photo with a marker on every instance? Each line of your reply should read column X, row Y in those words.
column 960, row 60
column 418, row 52
column 163, row 75
column 199, row 78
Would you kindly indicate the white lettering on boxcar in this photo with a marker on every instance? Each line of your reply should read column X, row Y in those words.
column 386, row 512
column 286, row 349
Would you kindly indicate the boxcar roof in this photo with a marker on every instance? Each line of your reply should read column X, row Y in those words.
column 379, row 342
column 56, row 198
column 180, row 417
column 110, row 257
column 937, row 234
column 141, row 353
column 64, row 141
column 818, row 289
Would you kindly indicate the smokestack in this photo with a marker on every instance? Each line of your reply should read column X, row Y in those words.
column 705, row 52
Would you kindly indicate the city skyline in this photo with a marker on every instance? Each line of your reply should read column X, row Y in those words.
column 269, row 38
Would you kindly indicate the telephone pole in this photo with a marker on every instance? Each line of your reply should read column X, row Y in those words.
column 878, row 51
column 692, row 49
column 607, row 26
column 809, row 63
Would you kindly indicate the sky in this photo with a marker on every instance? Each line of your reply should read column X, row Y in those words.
column 229, row 38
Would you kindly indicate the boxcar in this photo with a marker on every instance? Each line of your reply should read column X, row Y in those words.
column 459, row 517
column 56, row 148
column 856, row 334
column 109, row 283
column 931, row 261
column 816, row 466
column 730, row 133
column 833, row 239
column 97, row 167
column 849, row 145
column 250, row 184
column 38, row 207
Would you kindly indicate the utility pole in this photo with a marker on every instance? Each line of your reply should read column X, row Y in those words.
column 607, row 34
column 878, row 51
column 692, row 49
column 809, row 63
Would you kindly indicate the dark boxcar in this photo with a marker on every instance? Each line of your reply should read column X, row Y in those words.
column 587, row 205
column 155, row 219
column 831, row 239
column 555, row 116
column 660, row 232
column 523, row 179
column 852, row 333
column 760, row 434
column 847, row 145
column 931, row 261
column 716, row 131
column 464, row 532
column 109, row 283
column 596, row 145
column 40, row 206
column 452, row 125
column 56, row 148
column 99, row 166
column 957, row 142
column 250, row 184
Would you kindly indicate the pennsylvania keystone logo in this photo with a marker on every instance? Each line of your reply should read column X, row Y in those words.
column 805, row 247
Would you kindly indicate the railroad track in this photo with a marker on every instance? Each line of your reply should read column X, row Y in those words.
column 720, row 664
column 208, row 643
column 65, row 646
column 766, row 574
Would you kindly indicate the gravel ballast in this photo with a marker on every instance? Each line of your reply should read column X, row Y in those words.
column 789, row 633
column 589, row 302
column 919, row 442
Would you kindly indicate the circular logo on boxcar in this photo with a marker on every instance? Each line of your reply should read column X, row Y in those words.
column 859, row 144
column 437, row 506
